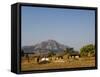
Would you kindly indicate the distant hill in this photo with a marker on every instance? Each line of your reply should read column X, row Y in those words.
column 45, row 47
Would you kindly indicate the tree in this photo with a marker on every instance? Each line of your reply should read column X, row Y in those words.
column 69, row 50
column 87, row 50
column 50, row 54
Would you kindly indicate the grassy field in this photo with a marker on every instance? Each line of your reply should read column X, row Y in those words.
column 68, row 63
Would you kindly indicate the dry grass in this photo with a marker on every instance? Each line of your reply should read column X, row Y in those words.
column 65, row 63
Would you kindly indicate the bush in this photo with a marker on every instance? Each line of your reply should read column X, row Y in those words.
column 87, row 50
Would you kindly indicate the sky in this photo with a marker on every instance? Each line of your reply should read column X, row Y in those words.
column 71, row 27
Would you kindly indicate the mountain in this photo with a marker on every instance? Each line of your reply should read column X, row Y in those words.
column 45, row 47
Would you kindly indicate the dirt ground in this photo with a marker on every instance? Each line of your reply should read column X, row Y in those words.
column 68, row 63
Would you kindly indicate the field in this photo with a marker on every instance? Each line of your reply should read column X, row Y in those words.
column 58, row 64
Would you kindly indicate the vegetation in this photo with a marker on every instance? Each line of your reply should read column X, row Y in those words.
column 83, row 62
column 86, row 58
column 87, row 50
column 50, row 54
column 68, row 50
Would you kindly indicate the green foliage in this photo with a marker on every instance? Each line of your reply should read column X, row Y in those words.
column 69, row 50
column 87, row 50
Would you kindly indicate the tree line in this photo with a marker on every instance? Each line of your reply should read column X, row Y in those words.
column 87, row 50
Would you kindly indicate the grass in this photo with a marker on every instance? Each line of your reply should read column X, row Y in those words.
column 58, row 64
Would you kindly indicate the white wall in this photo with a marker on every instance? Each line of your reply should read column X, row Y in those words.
column 5, row 42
